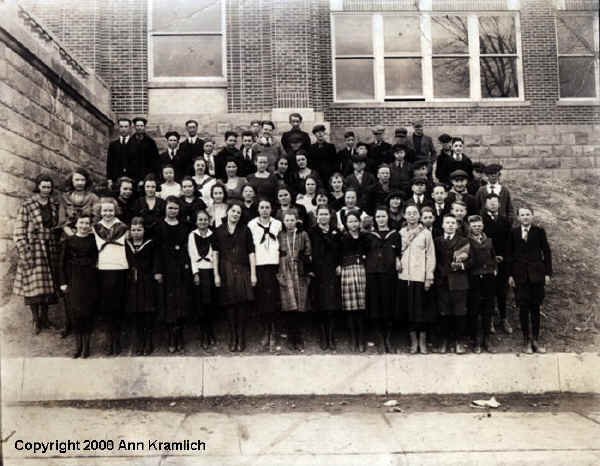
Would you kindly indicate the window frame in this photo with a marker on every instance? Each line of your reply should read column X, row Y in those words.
column 200, row 80
column 596, row 55
column 427, row 57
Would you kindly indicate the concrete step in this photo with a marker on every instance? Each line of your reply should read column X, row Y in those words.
column 39, row 379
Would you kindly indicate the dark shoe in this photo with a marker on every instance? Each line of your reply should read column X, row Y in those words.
column 148, row 346
column 45, row 322
column 527, row 348
column 414, row 345
column 79, row 347
column 232, row 343
column 66, row 331
column 477, row 349
column 36, row 327
column 460, row 348
column 387, row 343
column 86, row 346
column 492, row 327
column 241, row 344
column 537, row 347
column 423, row 343
column 179, row 343
column 489, row 348
column 443, row 347
column 331, row 340
column 506, row 327
column 117, row 346
column 265, row 341
column 323, row 343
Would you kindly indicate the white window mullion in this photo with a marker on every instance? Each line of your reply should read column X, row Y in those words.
column 597, row 52
column 474, row 66
column 519, row 58
column 426, row 61
column 378, row 57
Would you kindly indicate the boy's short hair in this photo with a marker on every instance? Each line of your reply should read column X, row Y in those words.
column 167, row 166
column 247, row 133
column 150, row 177
column 258, row 122
column 491, row 196
column 142, row 119
column 124, row 119
column 474, row 218
column 349, row 134
column 526, row 207
column 438, row 185
column 295, row 115
column 268, row 122
column 230, row 133
column 318, row 128
column 191, row 122
column 457, row 138
column 428, row 209
column 459, row 203
column 172, row 200
column 449, row 216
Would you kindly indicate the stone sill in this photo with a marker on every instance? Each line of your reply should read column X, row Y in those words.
column 209, row 83
column 440, row 104
column 578, row 103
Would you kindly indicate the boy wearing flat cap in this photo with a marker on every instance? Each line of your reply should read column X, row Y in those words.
column 322, row 156
column 379, row 151
column 493, row 172
column 173, row 156
column 458, row 192
column 401, row 169
column 419, row 195
column 478, row 179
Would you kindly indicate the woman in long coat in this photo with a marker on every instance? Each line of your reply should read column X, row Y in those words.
column 35, row 236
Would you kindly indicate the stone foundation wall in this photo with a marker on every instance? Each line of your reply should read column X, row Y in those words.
column 54, row 116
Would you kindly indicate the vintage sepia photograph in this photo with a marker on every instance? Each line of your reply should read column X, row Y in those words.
column 299, row 232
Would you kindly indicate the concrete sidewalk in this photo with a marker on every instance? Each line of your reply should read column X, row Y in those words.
column 307, row 438
column 39, row 379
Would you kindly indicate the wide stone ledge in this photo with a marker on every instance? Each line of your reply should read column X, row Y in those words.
column 45, row 379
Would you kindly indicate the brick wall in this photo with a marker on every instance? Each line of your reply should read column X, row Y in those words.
column 52, row 119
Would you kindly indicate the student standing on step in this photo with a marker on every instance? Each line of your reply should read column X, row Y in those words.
column 78, row 278
column 234, row 263
column 529, row 262
column 265, row 231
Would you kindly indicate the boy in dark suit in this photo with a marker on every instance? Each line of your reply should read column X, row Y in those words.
column 380, row 151
column 497, row 227
column 229, row 151
column 295, row 139
column 173, row 156
column 530, row 267
column 493, row 186
column 482, row 275
column 322, row 156
column 452, row 283
column 440, row 206
column 458, row 192
column 248, row 160
column 119, row 158
column 419, row 195
column 191, row 147
column 401, row 169
column 144, row 152
column 361, row 180
column 344, row 156
column 423, row 146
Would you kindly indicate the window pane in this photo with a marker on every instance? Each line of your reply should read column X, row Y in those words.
column 186, row 15
column 499, row 77
column 449, row 34
column 354, row 79
column 451, row 77
column 497, row 34
column 577, row 78
column 353, row 35
column 575, row 34
column 189, row 56
column 402, row 34
column 403, row 77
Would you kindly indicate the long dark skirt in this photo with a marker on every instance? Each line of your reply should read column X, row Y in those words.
column 419, row 305
column 267, row 290
column 236, row 287
column 381, row 296
column 113, row 289
column 81, row 297
column 205, row 295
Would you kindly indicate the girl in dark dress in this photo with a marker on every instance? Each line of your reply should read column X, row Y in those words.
column 150, row 207
column 141, row 285
column 249, row 205
column 394, row 204
column 303, row 171
column 78, row 277
column 336, row 183
column 201, row 258
column 263, row 182
column 173, row 264
column 325, row 288
column 384, row 249
column 191, row 204
column 286, row 204
column 235, row 273
column 110, row 234
column 322, row 198
column 265, row 231
column 353, row 279
column 125, row 199
column 282, row 173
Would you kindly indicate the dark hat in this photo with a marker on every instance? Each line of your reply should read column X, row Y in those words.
column 420, row 164
column 318, row 128
column 393, row 194
column 363, row 144
column 378, row 129
column 458, row 174
column 398, row 147
column 479, row 167
column 401, row 132
column 349, row 134
column 444, row 138
column 142, row 119
column 474, row 218
column 356, row 157
column 419, row 179
column 168, row 134
column 492, row 168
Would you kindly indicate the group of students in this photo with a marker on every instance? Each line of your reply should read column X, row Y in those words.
column 385, row 234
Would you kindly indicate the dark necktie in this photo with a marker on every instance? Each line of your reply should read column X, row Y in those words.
column 266, row 233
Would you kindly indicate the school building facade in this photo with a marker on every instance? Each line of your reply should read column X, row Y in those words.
column 520, row 79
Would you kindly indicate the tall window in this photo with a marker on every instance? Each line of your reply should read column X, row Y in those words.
column 382, row 57
column 186, row 39
column 579, row 72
